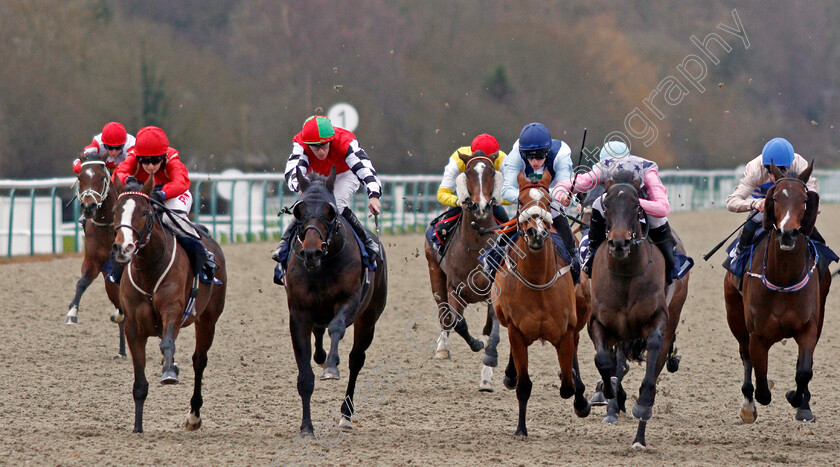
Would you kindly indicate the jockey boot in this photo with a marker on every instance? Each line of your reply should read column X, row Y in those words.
column 446, row 224
column 747, row 235
column 500, row 214
column 281, row 253
column 561, row 225
column 597, row 234
column 663, row 239
column 114, row 270
column 370, row 243
column 203, row 261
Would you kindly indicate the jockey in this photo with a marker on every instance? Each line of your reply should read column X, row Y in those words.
column 152, row 156
column 757, row 179
column 615, row 156
column 318, row 148
column 113, row 142
column 455, row 167
column 535, row 153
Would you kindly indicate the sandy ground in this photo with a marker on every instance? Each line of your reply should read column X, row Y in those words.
column 67, row 401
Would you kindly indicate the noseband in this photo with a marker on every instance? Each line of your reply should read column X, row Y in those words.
column 326, row 239
column 533, row 211
column 636, row 238
column 775, row 226
column 493, row 201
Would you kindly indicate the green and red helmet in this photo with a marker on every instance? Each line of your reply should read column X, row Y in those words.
column 317, row 129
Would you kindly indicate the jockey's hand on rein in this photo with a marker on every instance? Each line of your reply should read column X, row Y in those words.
column 159, row 196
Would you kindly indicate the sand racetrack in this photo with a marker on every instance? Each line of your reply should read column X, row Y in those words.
column 66, row 401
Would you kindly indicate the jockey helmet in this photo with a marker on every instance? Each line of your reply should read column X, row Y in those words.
column 779, row 151
column 613, row 149
column 486, row 143
column 151, row 141
column 317, row 129
column 113, row 134
column 534, row 137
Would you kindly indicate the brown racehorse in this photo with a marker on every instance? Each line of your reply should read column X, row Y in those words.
column 97, row 196
column 327, row 288
column 154, row 292
column 783, row 295
column 535, row 299
column 630, row 313
column 458, row 278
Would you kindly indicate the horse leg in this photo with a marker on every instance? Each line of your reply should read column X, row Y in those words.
column 643, row 409
column 320, row 356
column 519, row 352
column 439, row 291
column 567, row 355
column 167, row 348
column 491, row 352
column 738, row 326
column 488, row 325
column 89, row 273
column 604, row 360
column 463, row 330
column 748, row 410
column 362, row 338
column 510, row 374
column 137, row 346
column 800, row 398
column 205, row 330
column 758, row 356
column 121, row 327
column 300, row 332
column 337, row 327
column 616, row 404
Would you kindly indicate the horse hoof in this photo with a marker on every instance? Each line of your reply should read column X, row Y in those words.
column 117, row 316
column 485, row 386
column 637, row 446
column 192, row 423
column 169, row 377
column 598, row 398
column 748, row 417
column 442, row 355
column 642, row 413
column 610, row 419
column 346, row 425
column 805, row 416
column 584, row 412
column 510, row 383
column 330, row 373
column 791, row 398
column 71, row 320
column 118, row 356
column 320, row 358
column 673, row 363
column 476, row 345
column 520, row 435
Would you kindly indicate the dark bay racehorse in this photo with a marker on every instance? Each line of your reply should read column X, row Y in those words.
column 327, row 288
column 783, row 295
column 457, row 278
column 630, row 314
column 154, row 292
column 97, row 196
column 536, row 300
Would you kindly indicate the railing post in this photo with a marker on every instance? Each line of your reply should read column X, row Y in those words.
column 32, row 222
column 11, row 220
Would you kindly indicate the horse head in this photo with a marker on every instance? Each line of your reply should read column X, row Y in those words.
column 479, row 187
column 318, row 216
column 622, row 213
column 534, row 211
column 789, row 207
column 133, row 218
column 94, row 183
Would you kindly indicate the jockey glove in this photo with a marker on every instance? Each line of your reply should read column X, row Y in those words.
column 159, row 195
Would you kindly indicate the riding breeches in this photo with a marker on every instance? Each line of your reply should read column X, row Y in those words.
column 180, row 206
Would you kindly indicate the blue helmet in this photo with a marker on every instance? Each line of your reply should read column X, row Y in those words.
column 614, row 149
column 534, row 137
column 778, row 151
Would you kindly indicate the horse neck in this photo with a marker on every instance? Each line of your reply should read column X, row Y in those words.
column 786, row 267
column 469, row 236
column 636, row 261
column 155, row 254
column 105, row 213
column 536, row 266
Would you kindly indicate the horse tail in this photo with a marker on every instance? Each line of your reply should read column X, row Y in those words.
column 635, row 350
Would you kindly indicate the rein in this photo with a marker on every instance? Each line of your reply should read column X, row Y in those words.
column 636, row 238
column 325, row 242
column 807, row 273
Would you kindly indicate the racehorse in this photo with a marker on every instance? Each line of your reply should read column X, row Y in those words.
column 327, row 287
column 782, row 296
column 535, row 299
column 96, row 196
column 155, row 292
column 457, row 278
column 630, row 311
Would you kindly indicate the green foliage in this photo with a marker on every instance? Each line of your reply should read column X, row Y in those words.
column 497, row 84
column 155, row 105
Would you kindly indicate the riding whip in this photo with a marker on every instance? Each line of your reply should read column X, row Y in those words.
column 717, row 247
column 580, row 160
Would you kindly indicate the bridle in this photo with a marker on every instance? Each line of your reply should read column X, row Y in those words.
column 640, row 234
column 145, row 235
column 326, row 237
column 493, row 201
column 775, row 226
column 98, row 197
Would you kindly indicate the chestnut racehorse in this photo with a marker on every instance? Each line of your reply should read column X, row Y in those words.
column 783, row 294
column 458, row 278
column 630, row 314
column 327, row 288
column 535, row 299
column 97, row 196
column 155, row 290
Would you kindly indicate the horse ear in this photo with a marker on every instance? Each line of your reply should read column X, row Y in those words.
column 303, row 182
column 493, row 156
column 775, row 171
column 331, row 180
column 812, row 205
column 118, row 185
column 149, row 186
column 770, row 209
column 546, row 179
column 806, row 174
column 465, row 158
column 522, row 179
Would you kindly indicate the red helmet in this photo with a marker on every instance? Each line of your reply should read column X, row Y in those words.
column 113, row 134
column 486, row 143
column 151, row 141
column 317, row 129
